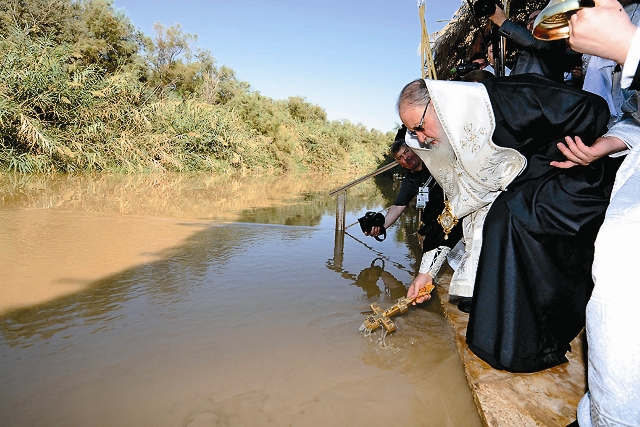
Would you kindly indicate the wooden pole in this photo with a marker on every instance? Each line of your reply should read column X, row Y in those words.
column 341, row 209
column 428, row 66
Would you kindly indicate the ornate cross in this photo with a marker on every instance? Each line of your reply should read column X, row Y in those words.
column 382, row 318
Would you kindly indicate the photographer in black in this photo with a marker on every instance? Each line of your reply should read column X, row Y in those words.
column 419, row 183
column 469, row 65
column 534, row 56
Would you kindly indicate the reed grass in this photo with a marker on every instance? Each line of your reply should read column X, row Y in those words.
column 57, row 115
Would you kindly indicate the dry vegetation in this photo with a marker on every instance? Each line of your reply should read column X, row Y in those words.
column 82, row 91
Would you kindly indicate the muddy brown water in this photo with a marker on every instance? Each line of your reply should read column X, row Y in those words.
column 192, row 300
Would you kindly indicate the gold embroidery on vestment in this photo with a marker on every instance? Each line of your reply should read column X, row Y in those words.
column 447, row 219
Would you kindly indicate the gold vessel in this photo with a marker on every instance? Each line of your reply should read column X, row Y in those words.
column 553, row 21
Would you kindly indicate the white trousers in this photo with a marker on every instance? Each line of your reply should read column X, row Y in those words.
column 613, row 312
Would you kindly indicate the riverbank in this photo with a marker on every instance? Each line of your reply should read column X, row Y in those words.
column 547, row 398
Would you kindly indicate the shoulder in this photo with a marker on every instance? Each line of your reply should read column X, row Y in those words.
column 529, row 82
column 539, row 92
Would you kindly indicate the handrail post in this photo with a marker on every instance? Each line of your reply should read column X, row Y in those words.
column 341, row 209
column 338, row 250
column 341, row 193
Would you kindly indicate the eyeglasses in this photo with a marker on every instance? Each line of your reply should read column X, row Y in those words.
column 419, row 128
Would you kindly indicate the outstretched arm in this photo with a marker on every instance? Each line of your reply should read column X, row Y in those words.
column 519, row 34
column 577, row 153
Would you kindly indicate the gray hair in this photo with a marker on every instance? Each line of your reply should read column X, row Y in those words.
column 415, row 94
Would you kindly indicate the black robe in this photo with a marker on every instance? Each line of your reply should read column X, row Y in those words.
column 534, row 274
column 430, row 229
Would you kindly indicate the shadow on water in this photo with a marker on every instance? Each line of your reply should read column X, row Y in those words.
column 252, row 322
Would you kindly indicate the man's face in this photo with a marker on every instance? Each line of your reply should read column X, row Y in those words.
column 481, row 62
column 431, row 128
column 407, row 158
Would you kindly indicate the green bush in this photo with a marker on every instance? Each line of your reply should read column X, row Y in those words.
column 70, row 101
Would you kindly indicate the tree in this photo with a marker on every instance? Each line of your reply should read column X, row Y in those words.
column 51, row 18
column 304, row 111
column 104, row 36
column 99, row 35
column 169, row 56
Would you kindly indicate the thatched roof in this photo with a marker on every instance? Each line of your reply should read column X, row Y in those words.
column 463, row 33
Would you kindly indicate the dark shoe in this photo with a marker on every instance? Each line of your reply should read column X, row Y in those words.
column 553, row 357
column 464, row 304
column 574, row 424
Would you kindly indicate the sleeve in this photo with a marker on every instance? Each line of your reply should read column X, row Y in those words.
column 408, row 190
column 631, row 69
column 523, row 37
column 627, row 130
column 411, row 185
column 432, row 261
column 533, row 114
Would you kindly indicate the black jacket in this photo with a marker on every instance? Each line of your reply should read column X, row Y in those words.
column 535, row 56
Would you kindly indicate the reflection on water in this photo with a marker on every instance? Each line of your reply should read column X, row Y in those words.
column 238, row 324
column 64, row 234
column 186, row 196
column 368, row 279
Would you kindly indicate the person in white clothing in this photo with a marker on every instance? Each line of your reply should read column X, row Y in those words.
column 602, row 76
column 613, row 366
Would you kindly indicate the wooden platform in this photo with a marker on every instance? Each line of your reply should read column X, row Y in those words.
column 547, row 398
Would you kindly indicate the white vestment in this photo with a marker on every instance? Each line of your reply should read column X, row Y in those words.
column 481, row 171
column 612, row 319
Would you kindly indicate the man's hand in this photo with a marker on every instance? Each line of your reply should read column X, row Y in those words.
column 392, row 216
column 421, row 280
column 577, row 153
column 604, row 30
column 375, row 231
column 498, row 17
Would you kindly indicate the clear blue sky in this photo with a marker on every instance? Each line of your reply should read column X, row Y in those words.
column 350, row 57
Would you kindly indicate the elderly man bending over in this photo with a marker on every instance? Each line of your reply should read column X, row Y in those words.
column 529, row 227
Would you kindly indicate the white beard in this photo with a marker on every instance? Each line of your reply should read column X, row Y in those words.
column 439, row 157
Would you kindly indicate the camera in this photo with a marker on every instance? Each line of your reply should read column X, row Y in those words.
column 466, row 67
column 485, row 8
column 370, row 220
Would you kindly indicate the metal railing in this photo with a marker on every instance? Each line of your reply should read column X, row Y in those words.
column 341, row 193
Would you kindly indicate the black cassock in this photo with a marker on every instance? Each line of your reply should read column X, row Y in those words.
column 534, row 275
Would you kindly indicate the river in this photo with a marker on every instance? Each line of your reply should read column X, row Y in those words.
column 199, row 300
